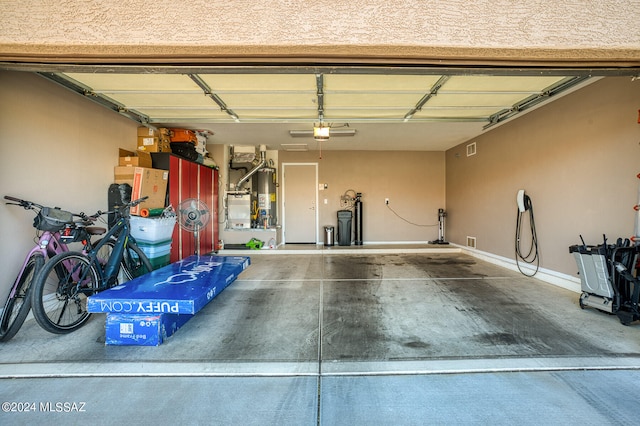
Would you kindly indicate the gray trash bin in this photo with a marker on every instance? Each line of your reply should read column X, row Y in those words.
column 328, row 236
column 344, row 227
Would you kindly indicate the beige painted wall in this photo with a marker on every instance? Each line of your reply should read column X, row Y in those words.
column 56, row 149
column 413, row 182
column 577, row 159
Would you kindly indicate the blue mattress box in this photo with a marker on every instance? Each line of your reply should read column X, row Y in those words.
column 183, row 287
column 142, row 330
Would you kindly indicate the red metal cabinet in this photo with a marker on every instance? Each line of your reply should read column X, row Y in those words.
column 190, row 180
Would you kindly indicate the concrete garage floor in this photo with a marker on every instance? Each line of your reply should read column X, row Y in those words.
column 345, row 337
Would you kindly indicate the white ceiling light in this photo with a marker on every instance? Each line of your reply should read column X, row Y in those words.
column 320, row 132
column 330, row 132
column 333, row 133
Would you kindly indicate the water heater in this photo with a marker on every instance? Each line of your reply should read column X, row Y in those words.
column 266, row 190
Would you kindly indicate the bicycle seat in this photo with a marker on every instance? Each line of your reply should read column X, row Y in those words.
column 95, row 230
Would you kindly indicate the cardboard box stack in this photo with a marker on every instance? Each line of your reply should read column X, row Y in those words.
column 136, row 169
column 145, row 182
column 151, row 140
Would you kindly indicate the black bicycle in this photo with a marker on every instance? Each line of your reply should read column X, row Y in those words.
column 60, row 290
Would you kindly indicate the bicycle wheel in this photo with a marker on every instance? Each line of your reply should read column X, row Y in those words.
column 17, row 307
column 135, row 261
column 60, row 291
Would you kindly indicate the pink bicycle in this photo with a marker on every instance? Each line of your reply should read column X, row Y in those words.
column 54, row 228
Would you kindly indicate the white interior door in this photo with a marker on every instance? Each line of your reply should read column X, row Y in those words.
column 300, row 198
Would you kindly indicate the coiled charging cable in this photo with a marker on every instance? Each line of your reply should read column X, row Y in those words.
column 533, row 255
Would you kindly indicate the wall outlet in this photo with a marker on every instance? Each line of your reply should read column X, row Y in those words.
column 386, row 201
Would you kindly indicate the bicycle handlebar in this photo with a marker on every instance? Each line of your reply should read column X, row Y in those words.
column 17, row 200
column 119, row 209
column 139, row 200
column 30, row 205
column 22, row 203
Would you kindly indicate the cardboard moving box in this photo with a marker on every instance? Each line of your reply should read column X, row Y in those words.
column 150, row 308
column 151, row 140
column 145, row 182
column 148, row 132
column 142, row 330
column 134, row 159
column 149, row 144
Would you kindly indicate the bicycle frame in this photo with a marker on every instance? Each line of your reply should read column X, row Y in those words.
column 49, row 245
column 107, row 273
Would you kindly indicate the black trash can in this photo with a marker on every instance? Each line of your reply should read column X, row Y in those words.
column 344, row 227
column 328, row 236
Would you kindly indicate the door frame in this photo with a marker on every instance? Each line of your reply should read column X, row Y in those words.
column 283, row 200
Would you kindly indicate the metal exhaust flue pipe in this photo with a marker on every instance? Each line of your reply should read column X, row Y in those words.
column 263, row 161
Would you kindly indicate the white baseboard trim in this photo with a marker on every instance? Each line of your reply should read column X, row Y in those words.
column 559, row 279
column 385, row 243
column 392, row 243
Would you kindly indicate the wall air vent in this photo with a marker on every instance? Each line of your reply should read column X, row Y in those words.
column 471, row 242
column 471, row 149
column 295, row 146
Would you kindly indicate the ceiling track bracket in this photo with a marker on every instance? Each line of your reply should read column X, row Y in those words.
column 99, row 99
column 434, row 91
column 534, row 100
column 208, row 92
column 320, row 96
